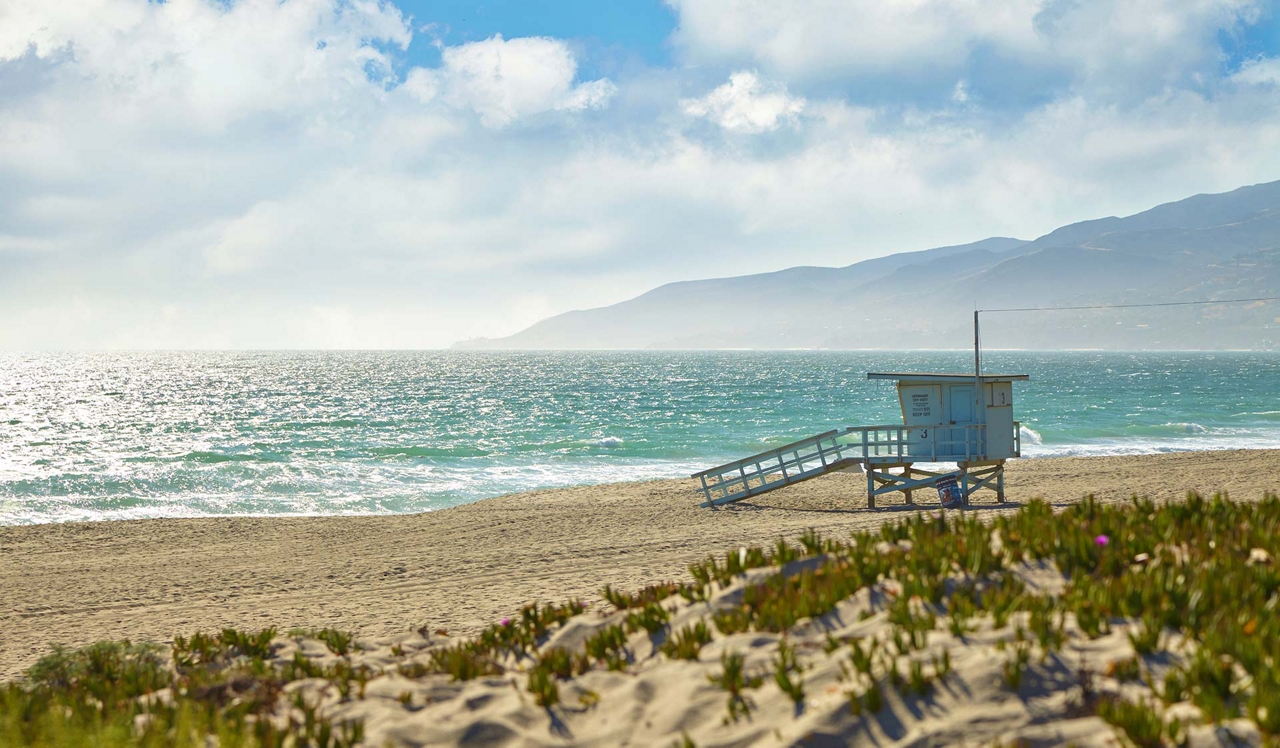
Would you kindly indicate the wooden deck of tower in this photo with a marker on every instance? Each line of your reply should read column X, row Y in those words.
column 963, row 419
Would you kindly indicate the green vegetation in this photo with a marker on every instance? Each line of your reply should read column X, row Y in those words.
column 654, row 593
column 1202, row 569
column 609, row 647
column 462, row 662
column 228, row 687
column 652, row 618
column 733, row 678
column 543, row 686
column 919, row 683
column 219, row 686
column 688, row 642
column 1126, row 670
column 1015, row 666
column 1146, row 639
column 1200, row 572
column 103, row 671
column 338, row 642
column 556, row 663
column 868, row 702
column 1046, row 622
column 1142, row 724
column 787, row 674
column 221, row 648
column 512, row 638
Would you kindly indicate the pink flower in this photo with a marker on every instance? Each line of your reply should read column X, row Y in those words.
column 506, row 621
column 1102, row 540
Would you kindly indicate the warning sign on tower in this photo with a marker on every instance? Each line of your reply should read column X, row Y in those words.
column 920, row 404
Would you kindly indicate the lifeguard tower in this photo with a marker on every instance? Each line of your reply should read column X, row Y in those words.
column 966, row 419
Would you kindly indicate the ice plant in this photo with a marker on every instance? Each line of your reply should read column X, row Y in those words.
column 1214, row 591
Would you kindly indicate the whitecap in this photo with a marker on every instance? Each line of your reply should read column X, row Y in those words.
column 609, row 441
column 1188, row 428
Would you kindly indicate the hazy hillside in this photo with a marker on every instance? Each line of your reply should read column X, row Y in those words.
column 1203, row 247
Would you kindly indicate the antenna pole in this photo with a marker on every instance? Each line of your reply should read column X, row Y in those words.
column 977, row 380
column 977, row 360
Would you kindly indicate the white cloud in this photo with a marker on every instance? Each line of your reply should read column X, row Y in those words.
column 247, row 173
column 1260, row 71
column 804, row 38
column 200, row 63
column 1101, row 43
column 1116, row 46
column 247, row 242
column 505, row 79
column 745, row 104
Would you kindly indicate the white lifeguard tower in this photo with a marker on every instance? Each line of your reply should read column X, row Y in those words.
column 965, row 419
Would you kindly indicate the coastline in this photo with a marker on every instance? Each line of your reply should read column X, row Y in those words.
column 464, row 567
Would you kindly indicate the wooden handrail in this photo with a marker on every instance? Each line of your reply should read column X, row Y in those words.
column 768, row 453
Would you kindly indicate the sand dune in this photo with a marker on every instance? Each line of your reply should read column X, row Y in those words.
column 464, row 568
column 662, row 701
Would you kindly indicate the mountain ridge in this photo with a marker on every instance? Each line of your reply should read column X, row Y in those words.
column 1207, row 246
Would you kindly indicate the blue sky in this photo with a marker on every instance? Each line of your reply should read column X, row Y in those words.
column 607, row 29
column 369, row 173
column 1250, row 41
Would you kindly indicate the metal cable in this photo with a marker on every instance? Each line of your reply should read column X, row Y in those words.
column 1129, row 306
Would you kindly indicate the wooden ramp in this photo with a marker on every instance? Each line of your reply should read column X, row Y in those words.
column 790, row 463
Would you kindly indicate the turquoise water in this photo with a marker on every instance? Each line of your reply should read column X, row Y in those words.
column 134, row 435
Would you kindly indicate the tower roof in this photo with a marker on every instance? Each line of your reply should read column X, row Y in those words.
column 942, row 377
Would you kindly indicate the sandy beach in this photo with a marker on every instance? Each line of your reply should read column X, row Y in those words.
column 462, row 568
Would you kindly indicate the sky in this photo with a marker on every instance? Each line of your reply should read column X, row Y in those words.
column 374, row 174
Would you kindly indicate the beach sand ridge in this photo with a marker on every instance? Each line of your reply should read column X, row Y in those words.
column 463, row 568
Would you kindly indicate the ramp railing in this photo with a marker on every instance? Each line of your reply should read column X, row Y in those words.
column 774, row 468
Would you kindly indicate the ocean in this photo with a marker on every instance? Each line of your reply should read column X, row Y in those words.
column 101, row 436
